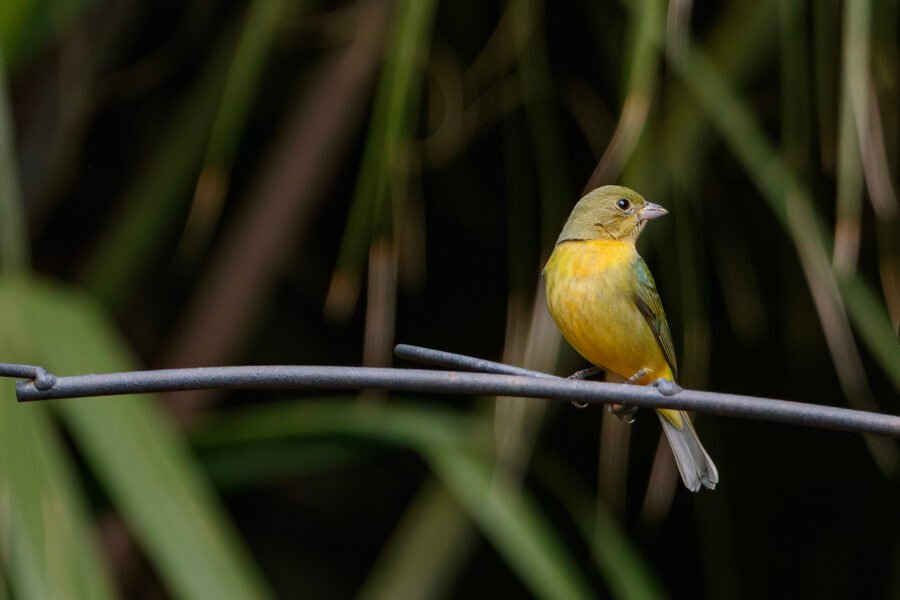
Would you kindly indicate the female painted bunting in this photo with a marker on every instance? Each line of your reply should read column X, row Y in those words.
column 603, row 298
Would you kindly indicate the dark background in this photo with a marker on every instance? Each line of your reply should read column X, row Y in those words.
column 280, row 182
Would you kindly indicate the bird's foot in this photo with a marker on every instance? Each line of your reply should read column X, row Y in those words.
column 583, row 375
column 586, row 373
column 637, row 376
column 626, row 414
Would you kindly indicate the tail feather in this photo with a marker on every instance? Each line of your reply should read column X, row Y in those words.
column 694, row 464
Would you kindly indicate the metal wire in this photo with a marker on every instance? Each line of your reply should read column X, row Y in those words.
column 512, row 381
column 440, row 358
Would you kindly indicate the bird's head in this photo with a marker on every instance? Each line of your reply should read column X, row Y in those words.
column 610, row 212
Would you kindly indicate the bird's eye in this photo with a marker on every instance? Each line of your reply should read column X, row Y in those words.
column 623, row 204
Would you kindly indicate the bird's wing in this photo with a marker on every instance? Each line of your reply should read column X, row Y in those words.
column 648, row 302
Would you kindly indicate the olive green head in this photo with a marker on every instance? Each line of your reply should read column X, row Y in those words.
column 610, row 212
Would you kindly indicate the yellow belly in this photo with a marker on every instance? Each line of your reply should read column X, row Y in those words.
column 590, row 294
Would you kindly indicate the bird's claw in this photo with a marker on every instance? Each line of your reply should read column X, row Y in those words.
column 586, row 373
column 626, row 414
column 637, row 376
column 583, row 375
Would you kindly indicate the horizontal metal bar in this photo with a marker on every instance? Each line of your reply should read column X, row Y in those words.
column 440, row 358
column 452, row 382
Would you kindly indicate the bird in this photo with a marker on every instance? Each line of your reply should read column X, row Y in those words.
column 602, row 297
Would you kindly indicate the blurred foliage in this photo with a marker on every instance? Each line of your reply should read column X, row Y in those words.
column 277, row 182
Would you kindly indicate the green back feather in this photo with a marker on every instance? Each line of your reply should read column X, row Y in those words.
column 648, row 302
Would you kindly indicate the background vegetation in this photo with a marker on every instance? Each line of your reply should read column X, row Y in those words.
column 273, row 181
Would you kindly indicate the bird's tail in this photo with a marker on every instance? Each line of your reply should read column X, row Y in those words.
column 694, row 464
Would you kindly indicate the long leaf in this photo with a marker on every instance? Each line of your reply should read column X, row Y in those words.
column 146, row 470
column 513, row 523
column 509, row 519
column 26, row 26
column 625, row 570
column 396, row 106
column 48, row 548
column 788, row 198
column 45, row 531
column 425, row 553
column 160, row 193
column 853, row 118
column 239, row 90
column 13, row 239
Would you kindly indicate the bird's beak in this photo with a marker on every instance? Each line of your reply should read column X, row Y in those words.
column 651, row 211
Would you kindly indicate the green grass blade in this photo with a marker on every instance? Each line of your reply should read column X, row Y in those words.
column 549, row 150
column 740, row 45
column 434, row 529
column 826, row 52
column 261, row 24
column 624, row 569
column 48, row 545
column 513, row 523
column 868, row 314
column 240, row 469
column 426, row 551
column 647, row 29
column 13, row 233
column 384, row 161
column 143, row 465
column 788, row 198
column 400, row 424
column 853, row 119
column 241, row 83
column 160, row 194
column 26, row 26
column 445, row 439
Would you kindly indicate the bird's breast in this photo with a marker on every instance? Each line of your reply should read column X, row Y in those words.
column 590, row 294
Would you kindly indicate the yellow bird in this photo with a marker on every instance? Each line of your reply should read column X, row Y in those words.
column 603, row 298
